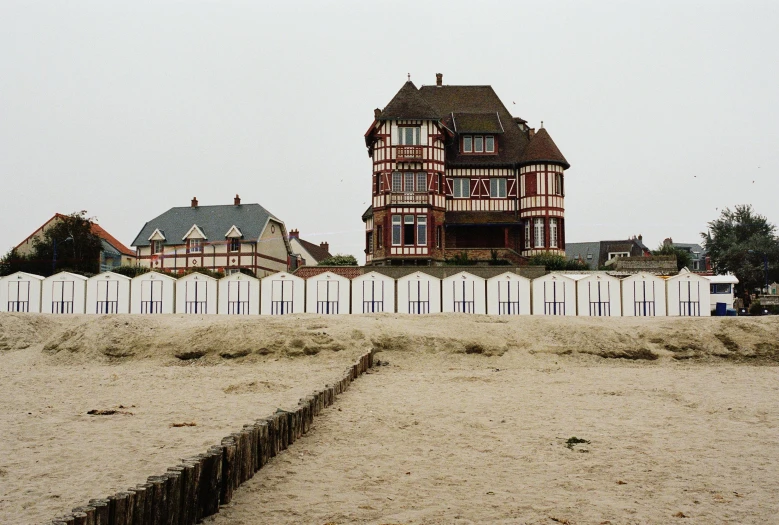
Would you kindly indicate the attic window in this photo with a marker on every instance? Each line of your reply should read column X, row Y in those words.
column 409, row 136
column 156, row 247
column 234, row 244
column 478, row 144
column 195, row 246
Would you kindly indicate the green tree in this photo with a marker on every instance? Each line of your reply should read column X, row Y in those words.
column 77, row 248
column 339, row 260
column 740, row 241
column 12, row 262
column 556, row 263
column 683, row 257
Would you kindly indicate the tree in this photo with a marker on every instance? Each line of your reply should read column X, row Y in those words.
column 12, row 262
column 339, row 260
column 741, row 242
column 554, row 263
column 68, row 244
column 683, row 257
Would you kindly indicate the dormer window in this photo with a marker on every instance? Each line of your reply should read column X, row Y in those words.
column 156, row 247
column 195, row 246
column 409, row 136
column 478, row 144
column 234, row 244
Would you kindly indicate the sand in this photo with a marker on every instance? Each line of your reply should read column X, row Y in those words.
column 468, row 423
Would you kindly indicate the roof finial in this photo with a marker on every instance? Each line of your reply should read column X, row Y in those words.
column 409, row 76
column 542, row 124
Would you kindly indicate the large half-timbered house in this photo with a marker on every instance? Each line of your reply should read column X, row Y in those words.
column 455, row 174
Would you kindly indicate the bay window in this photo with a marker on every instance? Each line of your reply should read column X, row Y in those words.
column 553, row 243
column 396, row 227
column 421, row 230
column 538, row 232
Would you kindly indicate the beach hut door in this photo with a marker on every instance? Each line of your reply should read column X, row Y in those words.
column 600, row 299
column 418, row 297
column 238, row 297
column 554, row 298
column 281, row 297
column 462, row 294
column 327, row 295
column 689, row 299
column 643, row 298
column 196, row 297
column 107, row 297
column 151, row 297
column 372, row 296
column 62, row 297
column 508, row 299
column 19, row 296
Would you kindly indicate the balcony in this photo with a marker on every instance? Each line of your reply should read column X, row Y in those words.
column 409, row 198
column 409, row 153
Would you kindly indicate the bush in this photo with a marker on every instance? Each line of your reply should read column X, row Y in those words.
column 461, row 259
column 558, row 263
column 339, row 260
column 131, row 271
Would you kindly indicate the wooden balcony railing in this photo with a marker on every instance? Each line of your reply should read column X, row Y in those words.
column 408, row 198
column 409, row 153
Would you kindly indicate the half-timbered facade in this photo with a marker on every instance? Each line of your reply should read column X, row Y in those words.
column 223, row 238
column 454, row 174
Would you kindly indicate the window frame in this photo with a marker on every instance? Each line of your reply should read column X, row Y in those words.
column 467, row 146
column 457, row 183
column 495, row 184
column 397, row 228
column 416, row 140
column 397, row 182
column 553, row 235
column 528, row 234
column 421, row 177
column 156, row 247
column 488, row 139
column 478, row 139
column 233, row 244
column 538, row 233
column 421, row 230
column 194, row 245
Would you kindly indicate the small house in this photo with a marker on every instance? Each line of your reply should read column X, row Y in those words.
column 281, row 294
column 508, row 294
column 722, row 290
column 555, row 294
column 327, row 293
column 152, row 293
column 21, row 292
column 239, row 294
column 643, row 295
column 108, row 293
column 196, row 293
column 688, row 295
column 598, row 295
column 64, row 293
column 419, row 293
column 373, row 293
column 464, row 293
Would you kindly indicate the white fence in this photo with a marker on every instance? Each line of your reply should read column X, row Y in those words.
column 566, row 294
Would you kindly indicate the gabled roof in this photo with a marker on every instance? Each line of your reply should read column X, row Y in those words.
column 194, row 229
column 408, row 104
column 580, row 250
column 317, row 252
column 110, row 239
column 367, row 214
column 251, row 219
column 543, row 149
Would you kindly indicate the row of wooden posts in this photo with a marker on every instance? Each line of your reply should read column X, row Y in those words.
column 198, row 485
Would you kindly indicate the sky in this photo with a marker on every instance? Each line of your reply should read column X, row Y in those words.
column 667, row 111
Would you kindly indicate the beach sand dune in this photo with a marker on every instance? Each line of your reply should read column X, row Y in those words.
column 469, row 422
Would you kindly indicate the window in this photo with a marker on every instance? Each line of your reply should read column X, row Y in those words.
column 234, row 244
column 438, row 232
column 553, row 233
column 498, row 188
column 720, row 288
column 489, row 144
column 467, row 144
column 478, row 144
column 421, row 230
column 397, row 182
column 462, row 188
column 379, row 238
column 538, row 233
column 396, row 227
column 408, row 230
column 408, row 136
column 156, row 246
column 527, row 234
column 421, row 182
column 195, row 245
column 369, row 242
column 558, row 186
column 614, row 255
column 408, row 179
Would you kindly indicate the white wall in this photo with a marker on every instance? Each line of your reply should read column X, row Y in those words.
column 152, row 293
column 643, row 295
column 64, row 293
column 555, row 294
column 108, row 293
column 327, row 293
column 419, row 293
column 372, row 293
column 239, row 294
column 196, row 293
column 464, row 293
column 688, row 295
column 598, row 295
column 508, row 294
column 282, row 293
column 21, row 292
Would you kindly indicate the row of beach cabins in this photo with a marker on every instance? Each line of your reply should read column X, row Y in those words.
column 592, row 294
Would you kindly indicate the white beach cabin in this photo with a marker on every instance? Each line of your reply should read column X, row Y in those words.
column 64, row 293
column 598, row 295
column 721, row 290
column 239, row 294
column 328, row 294
column 21, row 292
column 196, row 293
column 373, row 292
column 108, row 293
column 419, row 293
column 688, row 295
column 555, row 294
column 508, row 294
column 464, row 293
column 282, row 293
column 152, row 293
column 643, row 295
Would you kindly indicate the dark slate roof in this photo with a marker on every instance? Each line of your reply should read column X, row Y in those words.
column 543, row 149
column 368, row 213
column 480, row 218
column 408, row 104
column 213, row 221
column 477, row 123
column 455, row 101
column 575, row 250
column 316, row 251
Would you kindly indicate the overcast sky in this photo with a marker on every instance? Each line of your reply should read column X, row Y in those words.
column 667, row 111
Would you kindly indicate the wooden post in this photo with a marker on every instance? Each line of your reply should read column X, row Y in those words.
column 264, row 443
column 159, row 497
column 118, row 509
column 217, row 456
column 130, row 510
column 190, row 477
column 173, row 488
column 101, row 511
column 144, row 514
column 89, row 511
column 228, row 470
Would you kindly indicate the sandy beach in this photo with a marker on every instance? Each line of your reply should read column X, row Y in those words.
column 468, row 422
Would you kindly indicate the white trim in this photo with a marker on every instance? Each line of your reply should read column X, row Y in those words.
column 192, row 230
column 233, row 232
column 157, row 236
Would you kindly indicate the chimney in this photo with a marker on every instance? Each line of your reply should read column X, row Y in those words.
column 439, row 79
column 325, row 246
column 532, row 131
column 294, row 234
column 376, row 113
column 640, row 237
column 237, row 200
column 194, row 202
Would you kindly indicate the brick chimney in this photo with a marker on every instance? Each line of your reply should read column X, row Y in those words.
column 439, row 79
column 376, row 113
column 194, row 202
column 237, row 200
column 325, row 246
column 294, row 234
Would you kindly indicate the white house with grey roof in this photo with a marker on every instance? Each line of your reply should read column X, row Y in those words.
column 220, row 238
